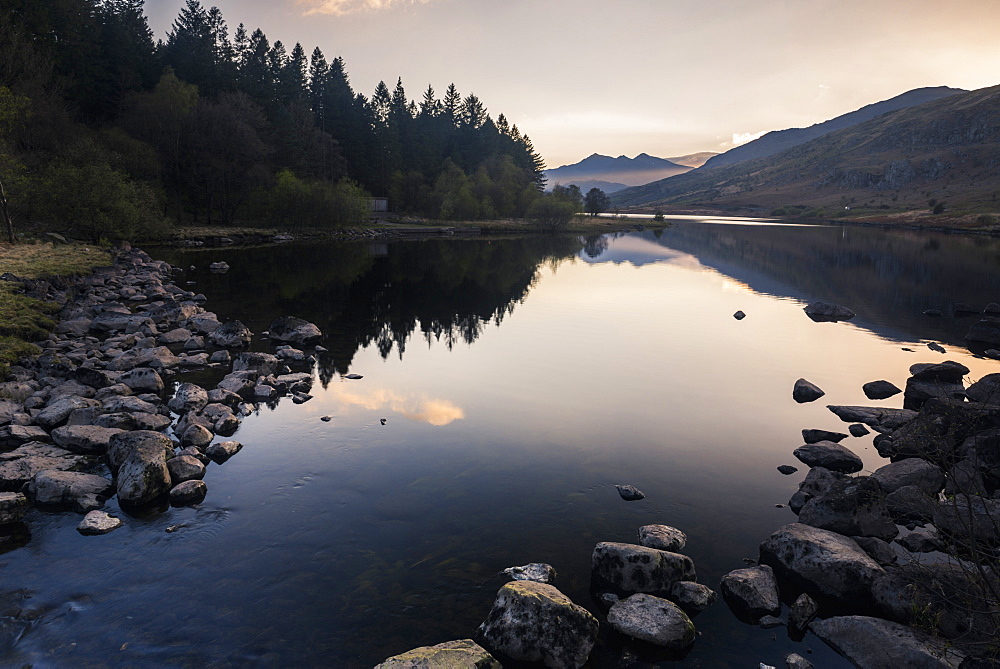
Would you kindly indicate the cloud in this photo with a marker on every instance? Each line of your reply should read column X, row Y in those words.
column 437, row 412
column 744, row 137
column 341, row 7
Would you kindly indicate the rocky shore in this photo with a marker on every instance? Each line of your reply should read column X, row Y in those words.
column 98, row 413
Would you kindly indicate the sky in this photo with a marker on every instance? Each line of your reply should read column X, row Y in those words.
column 623, row 77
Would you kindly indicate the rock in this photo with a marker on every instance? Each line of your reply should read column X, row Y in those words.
column 220, row 267
column 985, row 390
column 692, row 596
column 986, row 331
column 293, row 330
column 221, row 356
column 98, row 522
column 142, row 380
column 57, row 412
column 817, row 480
column 969, row 518
column 629, row 493
column 910, row 503
column 95, row 378
column 851, row 506
column 814, row 436
column 185, row 468
column 536, row 571
column 877, row 549
column 632, row 568
column 769, row 622
column 739, row 315
column 948, row 371
column 653, row 620
column 873, row 642
column 12, row 507
column 752, row 591
column 83, row 492
column 927, row 477
column 463, row 654
column 231, row 335
column 22, row 464
column 824, row 311
column 803, row 391
column 140, row 460
column 534, row 622
column 205, row 323
column 175, row 336
column 918, row 392
column 188, row 397
column 824, row 564
column 920, row 541
column 880, row 390
column 992, row 353
column 264, row 391
column 128, row 404
column 830, row 456
column 197, row 435
column 188, row 493
column 876, row 417
column 662, row 537
column 84, row 439
column 787, row 469
column 933, row 313
column 158, row 358
column 12, row 436
column 802, row 611
column 796, row 661
column 858, row 430
column 238, row 383
column 934, row 346
column 223, row 450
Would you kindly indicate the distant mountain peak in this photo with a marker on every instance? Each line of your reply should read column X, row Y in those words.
column 621, row 170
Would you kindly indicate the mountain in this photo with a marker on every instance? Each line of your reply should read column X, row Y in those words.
column 779, row 140
column 693, row 159
column 586, row 184
column 946, row 150
column 623, row 170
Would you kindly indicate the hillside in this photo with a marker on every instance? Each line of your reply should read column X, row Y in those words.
column 693, row 159
column 947, row 150
column 642, row 169
column 779, row 140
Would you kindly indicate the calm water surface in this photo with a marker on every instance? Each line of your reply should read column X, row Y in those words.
column 519, row 380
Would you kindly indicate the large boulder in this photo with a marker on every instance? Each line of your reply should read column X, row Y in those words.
column 873, row 642
column 534, row 622
column 84, row 439
column 829, row 455
column 653, row 620
column 985, row 390
column 293, row 330
column 986, row 331
column 851, row 506
column 83, row 492
column 632, row 568
column 188, row 397
column 912, row 471
column 462, row 654
column 948, row 371
column 817, row 481
column 910, row 503
column 824, row 564
column 231, row 335
column 57, row 411
column 918, row 392
column 140, row 460
column 880, row 390
column 752, row 591
column 969, row 519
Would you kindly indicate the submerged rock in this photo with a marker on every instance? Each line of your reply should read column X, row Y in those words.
column 98, row 522
column 824, row 311
column 653, row 620
column 462, row 654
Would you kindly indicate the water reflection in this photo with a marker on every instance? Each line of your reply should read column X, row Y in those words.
column 433, row 411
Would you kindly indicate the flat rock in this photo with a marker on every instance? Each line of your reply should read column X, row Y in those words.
column 534, row 622
column 57, row 412
column 803, row 391
column 84, row 439
column 880, row 390
column 82, row 492
column 753, row 591
column 536, row 571
column 293, row 330
column 20, row 465
column 630, row 493
column 877, row 417
column 98, row 522
column 653, row 620
column 188, row 493
column 873, row 642
column 814, row 436
column 825, row 311
column 830, row 456
column 929, row 478
column 632, row 568
column 662, row 537
column 12, row 436
column 462, row 654
column 796, row 661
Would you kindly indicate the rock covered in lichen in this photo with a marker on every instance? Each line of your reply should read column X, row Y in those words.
column 461, row 654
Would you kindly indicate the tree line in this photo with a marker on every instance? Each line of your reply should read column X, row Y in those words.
column 106, row 133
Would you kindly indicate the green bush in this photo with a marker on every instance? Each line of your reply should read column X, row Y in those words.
column 298, row 203
column 551, row 213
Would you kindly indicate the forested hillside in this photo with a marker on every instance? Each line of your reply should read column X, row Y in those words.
column 106, row 134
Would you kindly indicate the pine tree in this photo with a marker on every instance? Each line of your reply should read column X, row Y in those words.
column 430, row 105
column 452, row 104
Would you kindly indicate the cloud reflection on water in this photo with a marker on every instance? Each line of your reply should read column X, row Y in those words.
column 437, row 412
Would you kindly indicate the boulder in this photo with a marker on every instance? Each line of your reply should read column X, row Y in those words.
column 20, row 465
column 185, row 468
column 462, row 654
column 95, row 378
column 986, row 390
column 188, row 493
column 876, row 417
column 8, row 409
column 629, row 493
column 173, row 337
column 84, row 439
column 231, row 335
column 123, row 444
column 986, row 331
column 653, row 620
column 127, row 403
column 752, row 591
column 879, row 550
column 910, row 503
column 98, row 522
column 262, row 364
column 829, row 455
column 82, row 492
column 880, row 390
column 13, row 436
column 802, row 611
column 197, row 435
column 814, row 436
column 927, row 477
column 817, row 480
column 858, row 430
column 662, row 537
column 851, row 506
column 293, row 330
column 534, row 622
column 873, row 642
column 918, row 392
column 57, row 411
column 692, row 596
column 188, row 397
column 824, row 311
column 822, row 563
column 787, row 469
column 142, row 380
column 536, row 571
column 948, row 371
column 969, row 518
column 803, row 391
column 12, row 507
column 223, row 450
column 632, row 568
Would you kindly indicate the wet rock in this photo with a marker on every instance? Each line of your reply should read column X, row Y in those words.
column 815, row 436
column 536, row 571
column 84, row 439
column 970, row 518
column 796, row 661
column 787, row 469
column 22, row 464
column 632, row 568
column 948, row 371
column 770, row 622
column 464, row 653
column 858, row 430
column 851, row 506
column 803, row 391
column 12, row 436
column 739, row 315
column 912, row 471
column 752, row 591
column 629, row 493
column 98, row 522
column 879, row 550
column 57, row 412
column 188, row 493
column 223, row 450
column 918, row 392
column 175, row 336
column 880, row 390
column 220, row 267
column 221, row 356
column 692, row 596
column 12, row 507
column 823, row 563
column 817, row 480
column 985, row 390
column 185, row 468
column 910, row 503
column 534, row 622
column 82, row 492
column 986, row 331
column 653, row 620
column 802, row 611
column 142, row 380
column 876, row 417
column 830, row 456
column 920, row 541
column 263, row 364
column 873, row 642
column 293, row 330
column 662, row 537
column 231, row 335
column 824, row 311
column 197, row 435
column 188, row 397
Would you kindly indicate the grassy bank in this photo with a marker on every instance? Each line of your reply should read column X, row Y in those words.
column 23, row 319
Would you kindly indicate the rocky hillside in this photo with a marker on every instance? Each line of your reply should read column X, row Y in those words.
column 943, row 155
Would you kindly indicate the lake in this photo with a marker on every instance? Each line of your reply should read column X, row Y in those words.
column 508, row 385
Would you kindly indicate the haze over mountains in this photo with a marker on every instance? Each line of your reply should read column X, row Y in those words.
column 946, row 149
column 613, row 174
